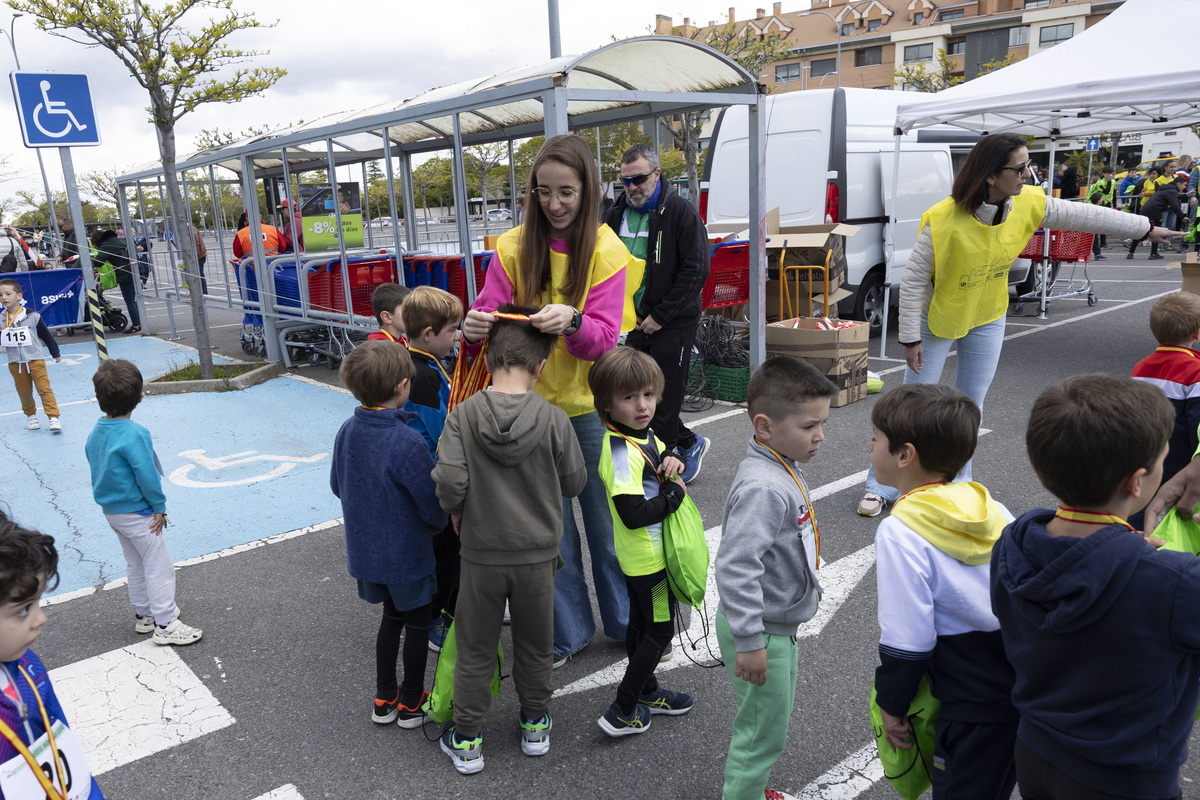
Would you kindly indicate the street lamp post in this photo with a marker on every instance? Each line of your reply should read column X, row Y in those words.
column 41, row 166
column 837, row 27
column 821, row 85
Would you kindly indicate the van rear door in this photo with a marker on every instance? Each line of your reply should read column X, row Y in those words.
column 926, row 177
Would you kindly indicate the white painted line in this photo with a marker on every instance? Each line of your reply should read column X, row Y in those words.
column 131, row 703
column 1118, row 280
column 285, row 792
column 65, row 596
column 855, row 774
column 60, row 405
column 715, row 417
column 839, row 485
column 311, row 382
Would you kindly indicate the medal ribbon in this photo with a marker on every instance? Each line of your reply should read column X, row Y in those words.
column 1091, row 517
column 47, row 786
column 812, row 512
column 432, row 358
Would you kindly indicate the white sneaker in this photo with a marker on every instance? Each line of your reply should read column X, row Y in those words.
column 55, row 425
column 31, row 424
column 871, row 505
column 146, row 624
column 176, row 633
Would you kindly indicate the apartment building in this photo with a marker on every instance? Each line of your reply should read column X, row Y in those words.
column 864, row 42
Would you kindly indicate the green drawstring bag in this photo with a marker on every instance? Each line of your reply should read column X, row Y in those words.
column 1180, row 532
column 107, row 276
column 909, row 770
column 686, row 553
column 440, row 705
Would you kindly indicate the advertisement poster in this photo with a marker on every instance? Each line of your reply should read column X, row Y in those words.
column 317, row 210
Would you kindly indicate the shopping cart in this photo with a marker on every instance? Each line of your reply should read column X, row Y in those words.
column 1044, row 282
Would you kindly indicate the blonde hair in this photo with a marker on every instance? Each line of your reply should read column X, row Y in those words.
column 428, row 307
column 1175, row 318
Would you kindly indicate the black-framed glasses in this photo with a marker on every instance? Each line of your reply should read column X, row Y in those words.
column 1020, row 169
column 637, row 180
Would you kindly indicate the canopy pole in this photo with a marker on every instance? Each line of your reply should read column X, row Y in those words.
column 391, row 182
column 1044, row 267
column 758, row 234
column 889, row 248
column 462, row 210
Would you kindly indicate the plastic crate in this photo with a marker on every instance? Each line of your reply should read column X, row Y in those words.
column 725, row 383
column 728, row 281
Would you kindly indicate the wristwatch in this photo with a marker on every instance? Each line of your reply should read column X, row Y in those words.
column 576, row 321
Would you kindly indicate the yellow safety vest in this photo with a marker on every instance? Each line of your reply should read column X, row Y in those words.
column 564, row 380
column 971, row 261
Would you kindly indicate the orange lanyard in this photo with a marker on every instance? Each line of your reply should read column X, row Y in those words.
column 812, row 512
column 10, row 318
column 1173, row 349
column 922, row 487
column 51, row 792
column 650, row 457
column 391, row 338
column 1091, row 517
column 431, row 357
column 374, row 408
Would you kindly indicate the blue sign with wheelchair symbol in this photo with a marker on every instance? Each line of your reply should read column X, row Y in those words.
column 55, row 110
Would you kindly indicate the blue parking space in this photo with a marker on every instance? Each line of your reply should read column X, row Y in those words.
column 238, row 466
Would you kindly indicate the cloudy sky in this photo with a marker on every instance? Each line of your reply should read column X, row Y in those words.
column 339, row 56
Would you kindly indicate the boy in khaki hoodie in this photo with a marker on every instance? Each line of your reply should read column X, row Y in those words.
column 935, row 613
column 506, row 459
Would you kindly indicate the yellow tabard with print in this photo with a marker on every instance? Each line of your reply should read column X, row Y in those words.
column 564, row 380
column 971, row 261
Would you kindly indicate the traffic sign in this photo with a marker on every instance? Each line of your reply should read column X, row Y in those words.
column 55, row 110
column 1093, row 144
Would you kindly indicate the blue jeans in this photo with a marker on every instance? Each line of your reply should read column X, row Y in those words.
column 978, row 355
column 574, row 623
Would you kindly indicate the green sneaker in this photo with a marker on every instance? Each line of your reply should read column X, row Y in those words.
column 467, row 754
column 535, row 736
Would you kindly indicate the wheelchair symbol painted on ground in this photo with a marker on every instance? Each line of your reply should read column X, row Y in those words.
column 74, row 359
column 54, row 108
column 180, row 477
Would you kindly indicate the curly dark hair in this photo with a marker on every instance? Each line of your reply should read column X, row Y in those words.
column 26, row 557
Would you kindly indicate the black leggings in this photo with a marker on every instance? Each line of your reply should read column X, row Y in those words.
column 416, row 652
column 650, row 596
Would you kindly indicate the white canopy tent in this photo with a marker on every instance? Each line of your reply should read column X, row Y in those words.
column 1085, row 86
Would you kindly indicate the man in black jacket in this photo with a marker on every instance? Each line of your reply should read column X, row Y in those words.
column 1165, row 199
column 659, row 226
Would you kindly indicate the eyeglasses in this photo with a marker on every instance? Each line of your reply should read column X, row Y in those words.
column 637, row 180
column 1020, row 168
column 565, row 196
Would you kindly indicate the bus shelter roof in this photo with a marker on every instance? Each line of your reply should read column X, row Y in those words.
column 627, row 80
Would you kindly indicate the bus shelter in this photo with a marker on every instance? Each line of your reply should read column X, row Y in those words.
column 638, row 79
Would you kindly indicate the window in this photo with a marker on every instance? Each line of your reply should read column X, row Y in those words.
column 956, row 48
column 1018, row 36
column 950, row 16
column 1056, row 34
column 1037, row 3
column 918, row 52
column 868, row 57
column 787, row 72
column 826, row 66
column 873, row 25
column 847, row 29
column 918, row 17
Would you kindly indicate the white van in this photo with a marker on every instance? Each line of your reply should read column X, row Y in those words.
column 829, row 158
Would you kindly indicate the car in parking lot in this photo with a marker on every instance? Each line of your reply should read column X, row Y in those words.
column 499, row 214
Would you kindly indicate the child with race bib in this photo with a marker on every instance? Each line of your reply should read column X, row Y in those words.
column 22, row 336
column 644, row 488
column 39, row 754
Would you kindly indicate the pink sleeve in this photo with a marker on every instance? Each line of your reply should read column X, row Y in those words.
column 602, row 311
column 497, row 289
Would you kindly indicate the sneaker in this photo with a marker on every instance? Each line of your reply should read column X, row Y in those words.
column 1155, row 256
column 146, row 624
column 1099, row 257
column 437, row 634
column 560, row 660
column 55, row 425
column 31, row 423
column 467, row 755
column 176, row 633
column 535, row 736
column 410, row 717
column 616, row 723
column 664, row 701
column 871, row 505
column 1129, row 255
column 695, row 457
column 667, row 652
column 384, row 711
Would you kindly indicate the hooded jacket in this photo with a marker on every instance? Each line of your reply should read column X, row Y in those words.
column 111, row 249
column 505, row 463
column 932, row 559
column 1104, row 635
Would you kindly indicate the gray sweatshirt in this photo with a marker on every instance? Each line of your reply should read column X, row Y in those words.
column 505, row 462
column 767, row 560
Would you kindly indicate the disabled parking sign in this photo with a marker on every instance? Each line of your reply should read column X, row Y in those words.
column 55, row 110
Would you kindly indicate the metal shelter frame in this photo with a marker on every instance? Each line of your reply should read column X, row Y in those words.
column 609, row 85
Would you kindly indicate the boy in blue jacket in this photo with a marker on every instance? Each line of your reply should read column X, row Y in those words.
column 38, row 752
column 381, row 473
column 1099, row 626
column 127, row 485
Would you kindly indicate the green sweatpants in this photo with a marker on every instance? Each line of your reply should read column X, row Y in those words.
column 760, row 726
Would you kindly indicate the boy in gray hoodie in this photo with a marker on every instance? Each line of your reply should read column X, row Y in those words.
column 766, row 565
column 494, row 443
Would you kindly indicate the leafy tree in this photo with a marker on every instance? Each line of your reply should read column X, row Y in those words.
column 180, row 70
column 480, row 163
column 917, row 77
column 432, row 176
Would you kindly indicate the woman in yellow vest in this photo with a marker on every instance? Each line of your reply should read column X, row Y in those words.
column 564, row 260
column 955, row 285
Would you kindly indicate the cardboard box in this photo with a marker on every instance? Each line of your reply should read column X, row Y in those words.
column 1191, row 273
column 841, row 354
